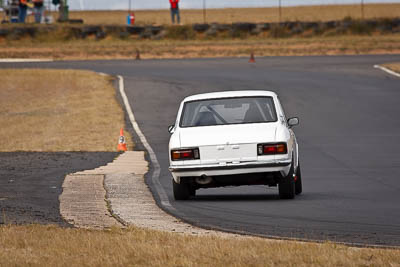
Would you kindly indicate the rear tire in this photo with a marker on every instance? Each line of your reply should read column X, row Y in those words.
column 287, row 185
column 298, row 184
column 181, row 191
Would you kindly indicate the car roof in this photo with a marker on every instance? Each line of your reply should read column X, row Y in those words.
column 228, row 94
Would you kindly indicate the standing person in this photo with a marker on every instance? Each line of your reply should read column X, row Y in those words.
column 22, row 9
column 175, row 11
column 38, row 9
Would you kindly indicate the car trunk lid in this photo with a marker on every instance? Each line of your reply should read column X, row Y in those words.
column 228, row 144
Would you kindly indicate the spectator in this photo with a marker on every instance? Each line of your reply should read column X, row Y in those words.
column 22, row 9
column 175, row 11
column 38, row 9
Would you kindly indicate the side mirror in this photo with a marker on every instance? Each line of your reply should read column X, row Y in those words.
column 293, row 121
column 171, row 129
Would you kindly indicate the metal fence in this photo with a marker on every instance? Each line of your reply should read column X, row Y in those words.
column 279, row 10
column 210, row 4
column 207, row 5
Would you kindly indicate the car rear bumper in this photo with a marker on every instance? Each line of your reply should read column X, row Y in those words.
column 230, row 169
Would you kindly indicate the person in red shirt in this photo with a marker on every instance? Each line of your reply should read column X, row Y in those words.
column 175, row 11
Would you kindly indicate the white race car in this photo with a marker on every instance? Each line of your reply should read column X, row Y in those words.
column 231, row 139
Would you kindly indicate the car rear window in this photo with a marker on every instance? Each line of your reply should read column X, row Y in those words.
column 225, row 111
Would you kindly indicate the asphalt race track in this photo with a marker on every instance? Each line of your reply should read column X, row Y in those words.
column 31, row 182
column 348, row 135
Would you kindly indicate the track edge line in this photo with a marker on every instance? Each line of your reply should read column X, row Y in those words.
column 153, row 158
column 387, row 70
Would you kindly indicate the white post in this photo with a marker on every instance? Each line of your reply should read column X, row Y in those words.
column 362, row 9
column 280, row 10
column 204, row 11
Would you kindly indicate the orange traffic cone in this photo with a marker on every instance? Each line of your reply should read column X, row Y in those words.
column 252, row 59
column 137, row 54
column 121, row 142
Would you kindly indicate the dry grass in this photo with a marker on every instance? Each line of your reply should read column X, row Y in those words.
column 393, row 66
column 120, row 49
column 58, row 110
column 230, row 15
column 53, row 246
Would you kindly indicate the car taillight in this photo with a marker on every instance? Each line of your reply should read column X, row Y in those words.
column 185, row 154
column 271, row 149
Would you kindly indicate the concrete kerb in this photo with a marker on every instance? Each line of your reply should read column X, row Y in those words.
column 116, row 195
column 84, row 201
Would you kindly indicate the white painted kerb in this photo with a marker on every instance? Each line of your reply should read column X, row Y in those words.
column 22, row 60
column 387, row 70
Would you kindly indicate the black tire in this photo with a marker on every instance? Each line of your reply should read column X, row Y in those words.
column 287, row 185
column 181, row 191
column 298, row 184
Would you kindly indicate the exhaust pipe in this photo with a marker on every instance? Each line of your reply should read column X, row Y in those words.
column 204, row 179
